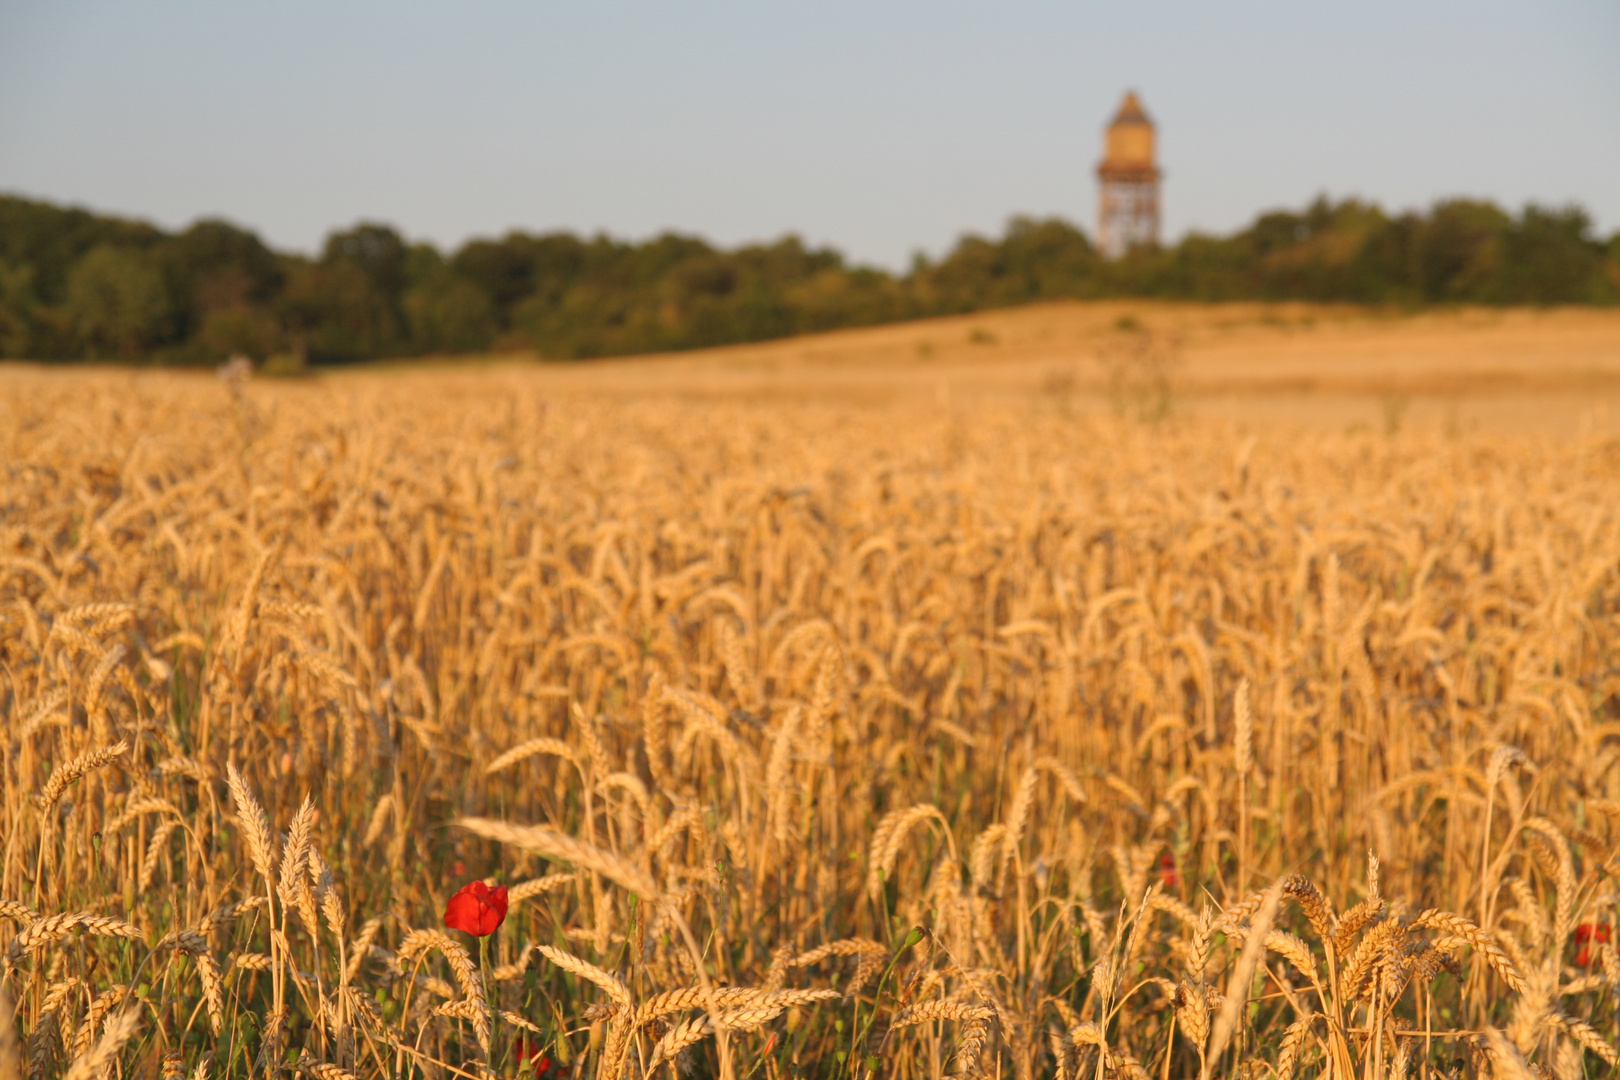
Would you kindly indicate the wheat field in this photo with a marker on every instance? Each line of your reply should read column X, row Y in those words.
column 811, row 736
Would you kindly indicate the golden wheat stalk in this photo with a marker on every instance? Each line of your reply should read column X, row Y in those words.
column 842, row 947
column 888, row 837
column 418, row 942
column 589, row 972
column 255, row 826
column 1586, row 1035
column 1481, row 942
column 40, row 933
column 10, row 1052
column 90, row 1065
column 17, row 911
column 76, row 768
column 552, row 844
column 322, row 1070
column 690, row 1032
column 524, row 890
column 525, row 750
column 939, row 1010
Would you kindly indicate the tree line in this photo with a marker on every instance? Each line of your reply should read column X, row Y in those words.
column 77, row 285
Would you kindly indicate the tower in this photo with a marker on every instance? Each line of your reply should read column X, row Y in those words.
column 1128, row 203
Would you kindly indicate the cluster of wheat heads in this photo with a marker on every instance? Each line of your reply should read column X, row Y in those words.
column 810, row 740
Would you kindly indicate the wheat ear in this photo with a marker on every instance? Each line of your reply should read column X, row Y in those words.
column 1291, row 1041
column 1586, row 1035
column 91, row 1064
column 889, row 835
column 590, row 972
column 555, row 845
column 1482, row 943
column 73, row 770
column 525, row 750
column 255, row 825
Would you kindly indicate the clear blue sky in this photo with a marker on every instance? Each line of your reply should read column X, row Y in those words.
column 879, row 127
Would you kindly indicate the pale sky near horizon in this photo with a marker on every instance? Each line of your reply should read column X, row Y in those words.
column 878, row 127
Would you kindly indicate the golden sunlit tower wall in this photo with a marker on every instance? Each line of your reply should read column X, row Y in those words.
column 1128, row 203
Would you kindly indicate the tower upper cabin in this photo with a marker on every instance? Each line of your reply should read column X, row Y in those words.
column 1128, row 204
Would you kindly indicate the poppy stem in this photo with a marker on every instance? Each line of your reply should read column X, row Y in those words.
column 489, row 1001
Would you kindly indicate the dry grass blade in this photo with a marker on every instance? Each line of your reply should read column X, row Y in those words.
column 1237, row 987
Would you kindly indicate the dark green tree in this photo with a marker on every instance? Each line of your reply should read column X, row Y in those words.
column 18, row 303
column 377, row 250
column 117, row 301
column 444, row 312
column 1459, row 250
column 1549, row 257
column 225, row 282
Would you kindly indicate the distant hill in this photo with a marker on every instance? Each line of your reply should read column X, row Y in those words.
column 77, row 285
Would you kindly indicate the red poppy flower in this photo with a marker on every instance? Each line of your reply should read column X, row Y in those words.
column 1585, row 935
column 1169, row 876
column 531, row 1052
column 476, row 908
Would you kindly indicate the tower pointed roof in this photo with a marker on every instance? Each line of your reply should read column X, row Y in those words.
column 1131, row 112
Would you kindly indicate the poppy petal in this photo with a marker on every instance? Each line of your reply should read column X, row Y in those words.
column 476, row 909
